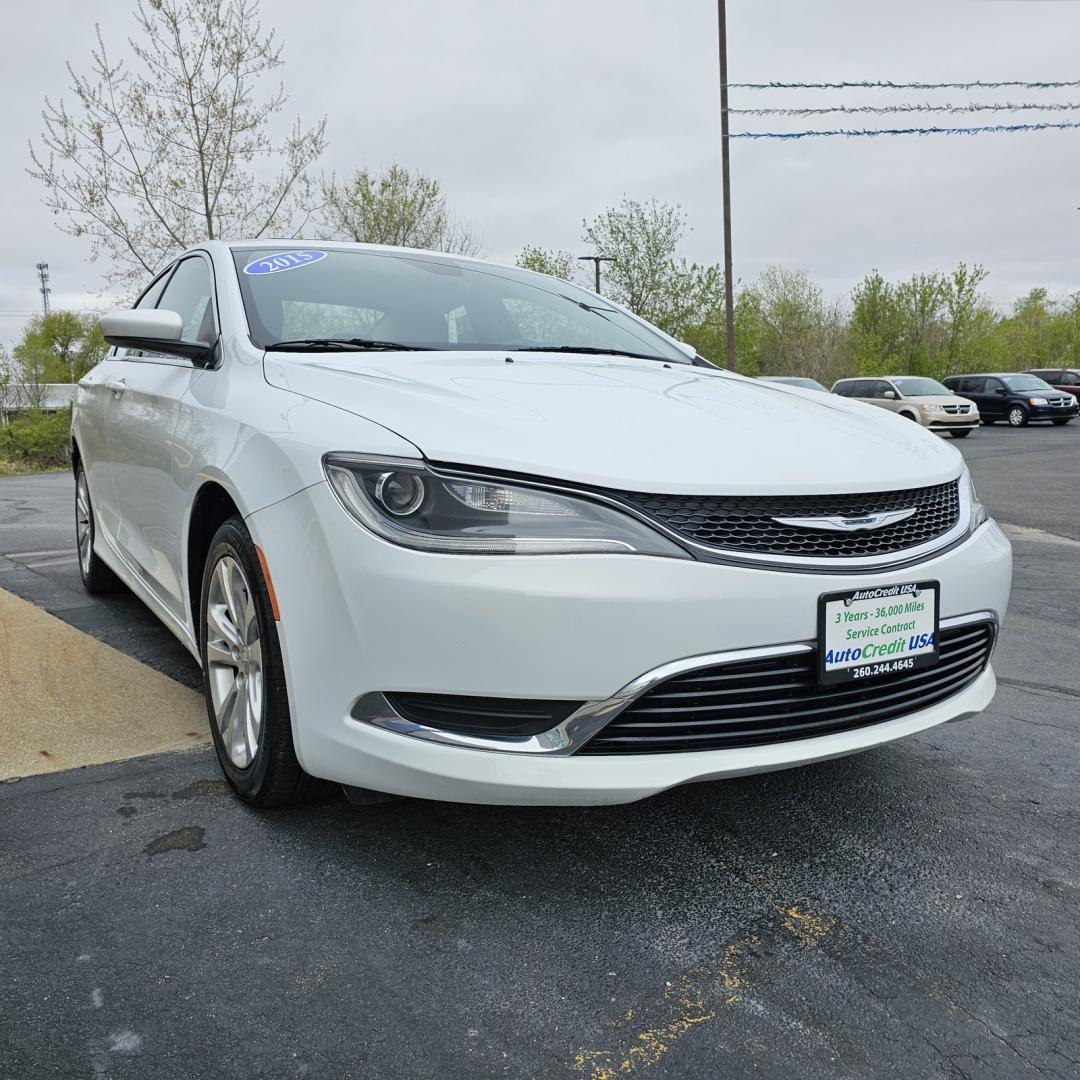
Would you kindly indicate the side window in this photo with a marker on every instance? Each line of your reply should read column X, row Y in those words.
column 994, row 386
column 844, row 389
column 190, row 293
column 882, row 388
column 1070, row 378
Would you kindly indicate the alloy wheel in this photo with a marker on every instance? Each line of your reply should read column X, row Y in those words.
column 83, row 532
column 234, row 661
column 1017, row 416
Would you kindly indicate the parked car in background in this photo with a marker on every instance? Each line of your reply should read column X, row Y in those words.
column 794, row 380
column 1067, row 380
column 925, row 401
column 1015, row 398
column 446, row 529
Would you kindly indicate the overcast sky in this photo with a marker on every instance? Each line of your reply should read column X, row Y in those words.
column 538, row 113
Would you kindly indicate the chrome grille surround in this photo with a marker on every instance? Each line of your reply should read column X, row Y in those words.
column 749, row 525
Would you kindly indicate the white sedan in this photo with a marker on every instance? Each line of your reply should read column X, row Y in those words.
column 441, row 528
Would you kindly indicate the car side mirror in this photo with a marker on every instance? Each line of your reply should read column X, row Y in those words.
column 154, row 330
column 686, row 350
column 1000, row 391
column 891, row 395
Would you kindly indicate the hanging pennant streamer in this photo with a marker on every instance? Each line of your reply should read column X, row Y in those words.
column 857, row 132
column 899, row 86
column 880, row 110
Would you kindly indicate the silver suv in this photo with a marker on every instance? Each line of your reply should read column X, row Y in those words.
column 920, row 399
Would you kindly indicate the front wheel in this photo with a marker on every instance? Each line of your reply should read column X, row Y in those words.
column 1062, row 422
column 1018, row 416
column 244, row 677
column 97, row 578
column 961, row 434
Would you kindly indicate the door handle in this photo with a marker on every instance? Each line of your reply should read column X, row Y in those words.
column 117, row 386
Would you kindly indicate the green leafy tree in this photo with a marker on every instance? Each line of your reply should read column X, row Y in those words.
column 167, row 148
column 645, row 274
column 396, row 206
column 59, row 347
column 933, row 324
column 560, row 264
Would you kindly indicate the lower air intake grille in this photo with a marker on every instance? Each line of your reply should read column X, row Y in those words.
column 778, row 699
column 466, row 715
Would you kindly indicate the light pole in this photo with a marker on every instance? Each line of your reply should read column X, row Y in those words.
column 596, row 260
column 725, row 169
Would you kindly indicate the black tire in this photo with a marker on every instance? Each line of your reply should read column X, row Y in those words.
column 97, row 578
column 1018, row 416
column 1062, row 422
column 273, row 777
column 910, row 416
column 987, row 422
column 961, row 434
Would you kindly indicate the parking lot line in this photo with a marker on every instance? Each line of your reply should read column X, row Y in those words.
column 67, row 699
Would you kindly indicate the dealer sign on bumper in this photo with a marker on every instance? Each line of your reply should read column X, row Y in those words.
column 879, row 631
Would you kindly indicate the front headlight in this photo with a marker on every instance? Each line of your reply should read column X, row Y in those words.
column 1038, row 401
column 931, row 407
column 978, row 511
column 404, row 502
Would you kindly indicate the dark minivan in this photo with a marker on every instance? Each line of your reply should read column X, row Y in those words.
column 1014, row 398
column 1065, row 379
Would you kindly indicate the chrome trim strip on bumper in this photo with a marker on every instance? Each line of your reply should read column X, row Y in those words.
column 578, row 728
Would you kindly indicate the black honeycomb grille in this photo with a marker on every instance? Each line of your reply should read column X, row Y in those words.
column 745, row 523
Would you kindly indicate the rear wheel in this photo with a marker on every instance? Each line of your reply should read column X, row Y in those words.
column 1062, row 422
column 97, row 578
column 243, row 675
column 1018, row 416
column 961, row 434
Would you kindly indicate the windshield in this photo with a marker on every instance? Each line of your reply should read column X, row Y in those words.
column 423, row 301
column 1025, row 382
column 921, row 387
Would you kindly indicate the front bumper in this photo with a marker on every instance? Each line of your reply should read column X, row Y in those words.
column 360, row 615
column 947, row 422
column 1051, row 412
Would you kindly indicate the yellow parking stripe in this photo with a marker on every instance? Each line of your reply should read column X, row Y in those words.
column 67, row 699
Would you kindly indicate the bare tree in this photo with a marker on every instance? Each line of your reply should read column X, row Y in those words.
column 151, row 158
column 396, row 206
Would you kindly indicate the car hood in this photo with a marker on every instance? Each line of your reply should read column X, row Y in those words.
column 622, row 423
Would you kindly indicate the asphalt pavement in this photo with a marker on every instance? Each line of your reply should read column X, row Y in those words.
column 909, row 912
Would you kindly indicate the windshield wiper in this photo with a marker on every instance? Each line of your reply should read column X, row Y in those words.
column 347, row 344
column 592, row 350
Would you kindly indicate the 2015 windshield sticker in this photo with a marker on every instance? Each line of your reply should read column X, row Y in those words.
column 283, row 260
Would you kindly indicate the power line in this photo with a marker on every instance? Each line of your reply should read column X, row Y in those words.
column 900, row 86
column 865, row 132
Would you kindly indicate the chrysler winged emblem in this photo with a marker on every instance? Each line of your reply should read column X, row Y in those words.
column 849, row 523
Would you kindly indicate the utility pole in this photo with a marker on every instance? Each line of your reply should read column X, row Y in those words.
column 729, row 285
column 596, row 260
column 43, row 275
